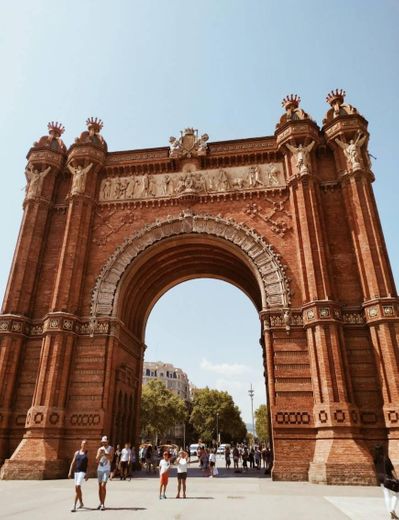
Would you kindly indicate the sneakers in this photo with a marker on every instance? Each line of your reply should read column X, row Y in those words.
column 164, row 496
column 102, row 508
column 73, row 510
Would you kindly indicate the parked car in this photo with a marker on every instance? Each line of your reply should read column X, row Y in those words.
column 222, row 448
column 194, row 449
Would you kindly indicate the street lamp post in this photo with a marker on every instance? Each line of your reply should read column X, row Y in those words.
column 217, row 429
column 251, row 393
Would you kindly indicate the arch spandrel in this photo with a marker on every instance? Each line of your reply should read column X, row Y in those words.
column 247, row 244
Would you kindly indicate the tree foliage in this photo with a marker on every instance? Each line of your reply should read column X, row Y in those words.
column 207, row 403
column 160, row 410
column 262, row 423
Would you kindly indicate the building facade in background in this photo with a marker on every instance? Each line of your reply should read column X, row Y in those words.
column 177, row 382
column 173, row 378
column 289, row 218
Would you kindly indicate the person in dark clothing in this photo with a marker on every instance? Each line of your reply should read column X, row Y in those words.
column 245, row 457
column 388, row 480
column 227, row 457
column 251, row 458
column 79, row 469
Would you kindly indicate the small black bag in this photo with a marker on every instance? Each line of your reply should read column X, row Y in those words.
column 392, row 484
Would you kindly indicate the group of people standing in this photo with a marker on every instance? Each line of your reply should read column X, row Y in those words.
column 254, row 457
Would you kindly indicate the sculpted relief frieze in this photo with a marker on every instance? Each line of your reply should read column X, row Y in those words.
column 202, row 182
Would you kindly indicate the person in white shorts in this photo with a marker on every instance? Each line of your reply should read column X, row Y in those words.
column 79, row 469
column 103, row 458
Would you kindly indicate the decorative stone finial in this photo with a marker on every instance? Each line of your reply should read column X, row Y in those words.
column 335, row 98
column 290, row 102
column 92, row 134
column 55, row 129
column 53, row 140
column 94, row 124
column 292, row 111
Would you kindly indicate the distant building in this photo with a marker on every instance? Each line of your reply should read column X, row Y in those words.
column 173, row 378
column 177, row 382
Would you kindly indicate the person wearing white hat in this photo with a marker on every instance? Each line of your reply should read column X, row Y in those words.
column 103, row 458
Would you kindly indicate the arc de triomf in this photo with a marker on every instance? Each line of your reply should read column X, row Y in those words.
column 290, row 219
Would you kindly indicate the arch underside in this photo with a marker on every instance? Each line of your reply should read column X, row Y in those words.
column 174, row 250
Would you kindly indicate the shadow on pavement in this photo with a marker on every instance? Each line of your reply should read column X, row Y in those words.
column 196, row 472
column 82, row 509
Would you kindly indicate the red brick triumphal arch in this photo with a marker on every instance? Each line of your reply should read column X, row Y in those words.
column 290, row 219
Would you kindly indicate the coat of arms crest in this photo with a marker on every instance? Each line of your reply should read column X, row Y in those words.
column 188, row 145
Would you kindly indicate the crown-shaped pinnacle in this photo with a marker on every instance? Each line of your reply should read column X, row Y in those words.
column 291, row 101
column 95, row 123
column 336, row 96
column 55, row 128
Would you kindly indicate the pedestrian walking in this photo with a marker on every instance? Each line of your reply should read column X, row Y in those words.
column 264, row 456
column 79, row 469
column 212, row 463
column 104, row 456
column 236, row 458
column 126, row 455
column 132, row 462
column 251, row 458
column 257, row 457
column 164, row 467
column 245, row 456
column 388, row 481
column 115, row 464
column 182, row 466
column 269, row 458
column 227, row 457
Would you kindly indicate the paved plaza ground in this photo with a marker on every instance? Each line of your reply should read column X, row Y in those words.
column 230, row 496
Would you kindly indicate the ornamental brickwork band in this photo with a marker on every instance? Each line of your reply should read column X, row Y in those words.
column 290, row 219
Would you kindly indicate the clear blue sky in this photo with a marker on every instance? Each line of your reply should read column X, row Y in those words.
column 149, row 69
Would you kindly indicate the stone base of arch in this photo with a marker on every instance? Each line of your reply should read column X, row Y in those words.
column 35, row 459
column 342, row 461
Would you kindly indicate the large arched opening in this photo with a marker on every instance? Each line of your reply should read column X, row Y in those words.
column 168, row 253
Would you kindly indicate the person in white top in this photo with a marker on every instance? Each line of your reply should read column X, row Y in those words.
column 126, row 455
column 182, row 465
column 104, row 456
column 164, row 466
column 212, row 464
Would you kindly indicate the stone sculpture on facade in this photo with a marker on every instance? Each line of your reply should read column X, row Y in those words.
column 272, row 176
column 254, row 177
column 35, row 181
column 301, row 154
column 188, row 145
column 78, row 178
column 202, row 182
column 352, row 151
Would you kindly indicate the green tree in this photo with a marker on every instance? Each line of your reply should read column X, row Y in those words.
column 212, row 407
column 262, row 423
column 160, row 410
